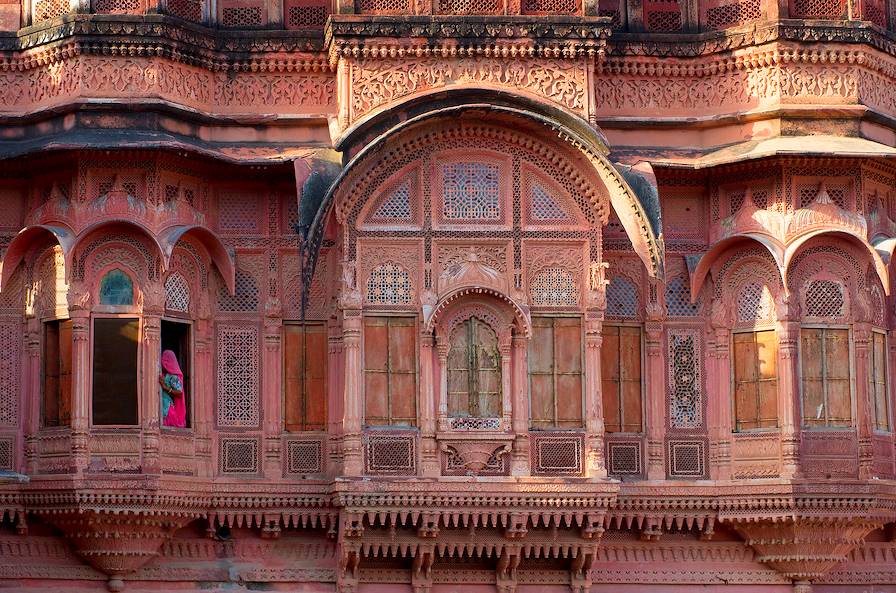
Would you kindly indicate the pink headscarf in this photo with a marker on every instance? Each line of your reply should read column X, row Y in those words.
column 177, row 413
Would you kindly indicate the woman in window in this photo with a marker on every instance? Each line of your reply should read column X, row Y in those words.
column 171, row 382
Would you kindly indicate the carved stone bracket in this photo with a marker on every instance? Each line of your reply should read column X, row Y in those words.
column 804, row 549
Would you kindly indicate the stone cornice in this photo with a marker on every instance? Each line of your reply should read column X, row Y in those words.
column 157, row 35
column 462, row 36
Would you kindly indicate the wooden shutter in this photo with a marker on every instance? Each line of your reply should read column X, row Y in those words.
column 621, row 379
column 755, row 380
column 839, row 401
column 305, row 374
column 878, row 376
column 115, row 371
column 51, row 411
column 568, row 371
column 65, row 372
column 825, row 360
column 541, row 373
column 390, row 370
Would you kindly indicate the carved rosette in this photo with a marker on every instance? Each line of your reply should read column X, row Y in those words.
column 804, row 549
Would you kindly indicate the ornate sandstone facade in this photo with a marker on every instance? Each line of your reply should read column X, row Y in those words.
column 493, row 295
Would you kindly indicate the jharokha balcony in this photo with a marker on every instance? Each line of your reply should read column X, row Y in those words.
column 501, row 296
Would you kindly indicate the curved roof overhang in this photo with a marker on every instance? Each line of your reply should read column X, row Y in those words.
column 221, row 256
column 25, row 239
column 375, row 133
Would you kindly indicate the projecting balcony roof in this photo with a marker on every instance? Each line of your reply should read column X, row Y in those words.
column 782, row 146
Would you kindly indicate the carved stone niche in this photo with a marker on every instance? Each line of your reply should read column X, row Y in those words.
column 804, row 548
column 475, row 457
column 116, row 544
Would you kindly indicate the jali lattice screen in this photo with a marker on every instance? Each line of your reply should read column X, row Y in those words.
column 237, row 376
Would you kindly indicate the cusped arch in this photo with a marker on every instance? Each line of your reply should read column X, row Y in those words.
column 699, row 272
column 880, row 267
column 221, row 256
column 433, row 315
column 124, row 223
column 22, row 243
column 640, row 227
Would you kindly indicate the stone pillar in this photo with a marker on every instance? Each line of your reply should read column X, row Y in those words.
column 655, row 374
column 203, row 397
column 442, row 348
column 32, row 393
column 335, row 390
column 519, row 464
column 506, row 348
column 150, row 402
column 719, row 405
column 353, row 462
column 789, row 396
column 272, row 393
column 428, row 448
column 864, row 406
column 79, row 312
column 594, row 415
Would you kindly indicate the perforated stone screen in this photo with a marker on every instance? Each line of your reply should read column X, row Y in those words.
column 554, row 287
column 622, row 298
column 685, row 381
column 824, row 299
column 177, row 293
column 678, row 299
column 471, row 191
column 389, row 284
column 237, row 368
column 10, row 344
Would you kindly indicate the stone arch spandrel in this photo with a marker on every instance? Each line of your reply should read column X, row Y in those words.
column 644, row 237
column 23, row 242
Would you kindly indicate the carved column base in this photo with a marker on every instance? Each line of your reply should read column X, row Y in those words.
column 519, row 461
column 595, row 465
column 352, row 455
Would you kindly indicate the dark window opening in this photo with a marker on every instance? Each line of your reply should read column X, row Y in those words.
column 175, row 336
column 57, row 375
column 115, row 371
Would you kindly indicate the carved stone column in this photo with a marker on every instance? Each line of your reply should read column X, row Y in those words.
column 519, row 464
column 719, row 405
column 32, row 403
column 203, row 397
column 428, row 447
column 335, row 390
column 353, row 461
column 272, row 378
column 442, row 348
column 594, row 416
column 788, row 396
column 79, row 312
column 505, row 347
column 864, row 406
column 655, row 373
column 150, row 404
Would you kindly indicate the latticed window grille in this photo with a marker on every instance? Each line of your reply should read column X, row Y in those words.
column 662, row 15
column 245, row 295
column 7, row 454
column 755, row 303
column 817, row 9
column 550, row 6
column 624, row 458
column 382, row 6
column 554, row 287
column 302, row 14
column 189, row 10
column 545, row 206
column 622, row 298
column 678, row 299
column 116, row 6
column 237, row 376
column 177, row 293
column 49, row 9
column 9, row 372
column 824, row 299
column 238, row 212
column 239, row 456
column 686, row 459
column 558, row 454
column 242, row 16
column 389, row 284
column 397, row 205
column 732, row 14
column 469, row 6
column 685, row 381
column 471, row 191
column 304, row 457
column 390, row 453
